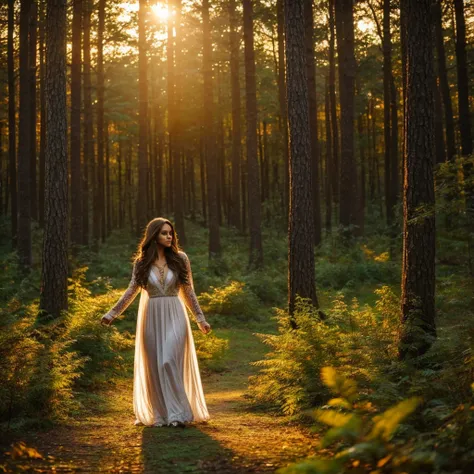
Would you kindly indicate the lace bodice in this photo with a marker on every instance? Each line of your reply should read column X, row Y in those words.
column 172, row 287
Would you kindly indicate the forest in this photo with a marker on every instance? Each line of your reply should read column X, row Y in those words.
column 316, row 160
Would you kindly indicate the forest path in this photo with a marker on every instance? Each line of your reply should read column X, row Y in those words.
column 235, row 439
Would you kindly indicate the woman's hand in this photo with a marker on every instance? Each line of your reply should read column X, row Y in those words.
column 205, row 327
column 106, row 320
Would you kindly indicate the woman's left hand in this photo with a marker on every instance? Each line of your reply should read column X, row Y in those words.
column 205, row 327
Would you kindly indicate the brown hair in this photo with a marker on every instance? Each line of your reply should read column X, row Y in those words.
column 147, row 253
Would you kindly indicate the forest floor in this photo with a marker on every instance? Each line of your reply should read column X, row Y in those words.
column 237, row 438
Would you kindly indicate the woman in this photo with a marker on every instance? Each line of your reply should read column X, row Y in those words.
column 167, row 386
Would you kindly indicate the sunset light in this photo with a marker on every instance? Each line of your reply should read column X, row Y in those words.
column 160, row 10
column 316, row 160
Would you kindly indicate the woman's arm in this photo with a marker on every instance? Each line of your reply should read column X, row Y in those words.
column 125, row 300
column 189, row 295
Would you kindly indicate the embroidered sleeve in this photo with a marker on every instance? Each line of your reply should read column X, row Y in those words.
column 189, row 295
column 127, row 298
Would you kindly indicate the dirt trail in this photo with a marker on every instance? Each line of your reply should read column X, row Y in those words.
column 236, row 439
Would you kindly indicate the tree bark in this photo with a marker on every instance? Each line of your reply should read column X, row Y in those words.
column 12, row 125
column 142, row 201
column 283, row 103
column 177, row 126
column 253, row 182
column 329, row 159
column 347, row 70
column 32, row 37
column 387, row 101
column 333, row 104
column 24, row 144
column 209, row 137
column 236, row 116
column 99, row 201
column 76, row 177
column 42, row 145
column 54, row 275
column 440, row 148
column 418, row 274
column 300, row 229
column 443, row 82
column 463, row 81
column 88, row 152
column 313, row 122
column 108, row 191
column 463, row 104
column 121, row 197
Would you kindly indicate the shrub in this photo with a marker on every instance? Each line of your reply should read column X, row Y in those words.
column 233, row 299
column 270, row 286
column 358, row 341
column 210, row 350
column 38, row 370
column 362, row 438
column 103, row 347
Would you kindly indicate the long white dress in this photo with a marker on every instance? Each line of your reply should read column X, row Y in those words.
column 167, row 383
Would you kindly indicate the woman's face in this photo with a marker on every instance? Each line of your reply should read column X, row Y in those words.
column 165, row 236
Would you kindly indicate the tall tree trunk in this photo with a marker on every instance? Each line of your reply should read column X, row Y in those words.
column 193, row 187
column 209, row 137
column 32, row 37
column 100, row 189
column 42, row 98
column 313, row 123
column 370, row 153
column 440, row 148
column 121, row 206
column 129, row 185
column 177, row 127
column 387, row 75
column 443, row 81
column 463, row 104
column 142, row 202
column 418, row 274
column 362, row 156
column 333, row 105
column 159, row 180
column 171, row 87
column 300, row 229
column 3, row 179
column 463, row 82
column 76, row 177
column 3, row 176
column 403, row 51
column 12, row 125
column 253, row 184
column 221, row 201
column 236, row 116
column 54, row 274
column 108, row 190
column 329, row 159
column 347, row 71
column 88, row 153
column 202, row 172
column 24, row 145
column 394, row 161
column 282, row 101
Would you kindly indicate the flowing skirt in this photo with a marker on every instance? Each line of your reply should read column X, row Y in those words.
column 167, row 383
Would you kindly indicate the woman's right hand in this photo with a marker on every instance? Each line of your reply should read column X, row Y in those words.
column 204, row 326
column 106, row 320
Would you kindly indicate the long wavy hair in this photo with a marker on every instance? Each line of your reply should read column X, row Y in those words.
column 147, row 253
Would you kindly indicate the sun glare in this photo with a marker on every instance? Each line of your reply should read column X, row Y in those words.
column 364, row 25
column 160, row 11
